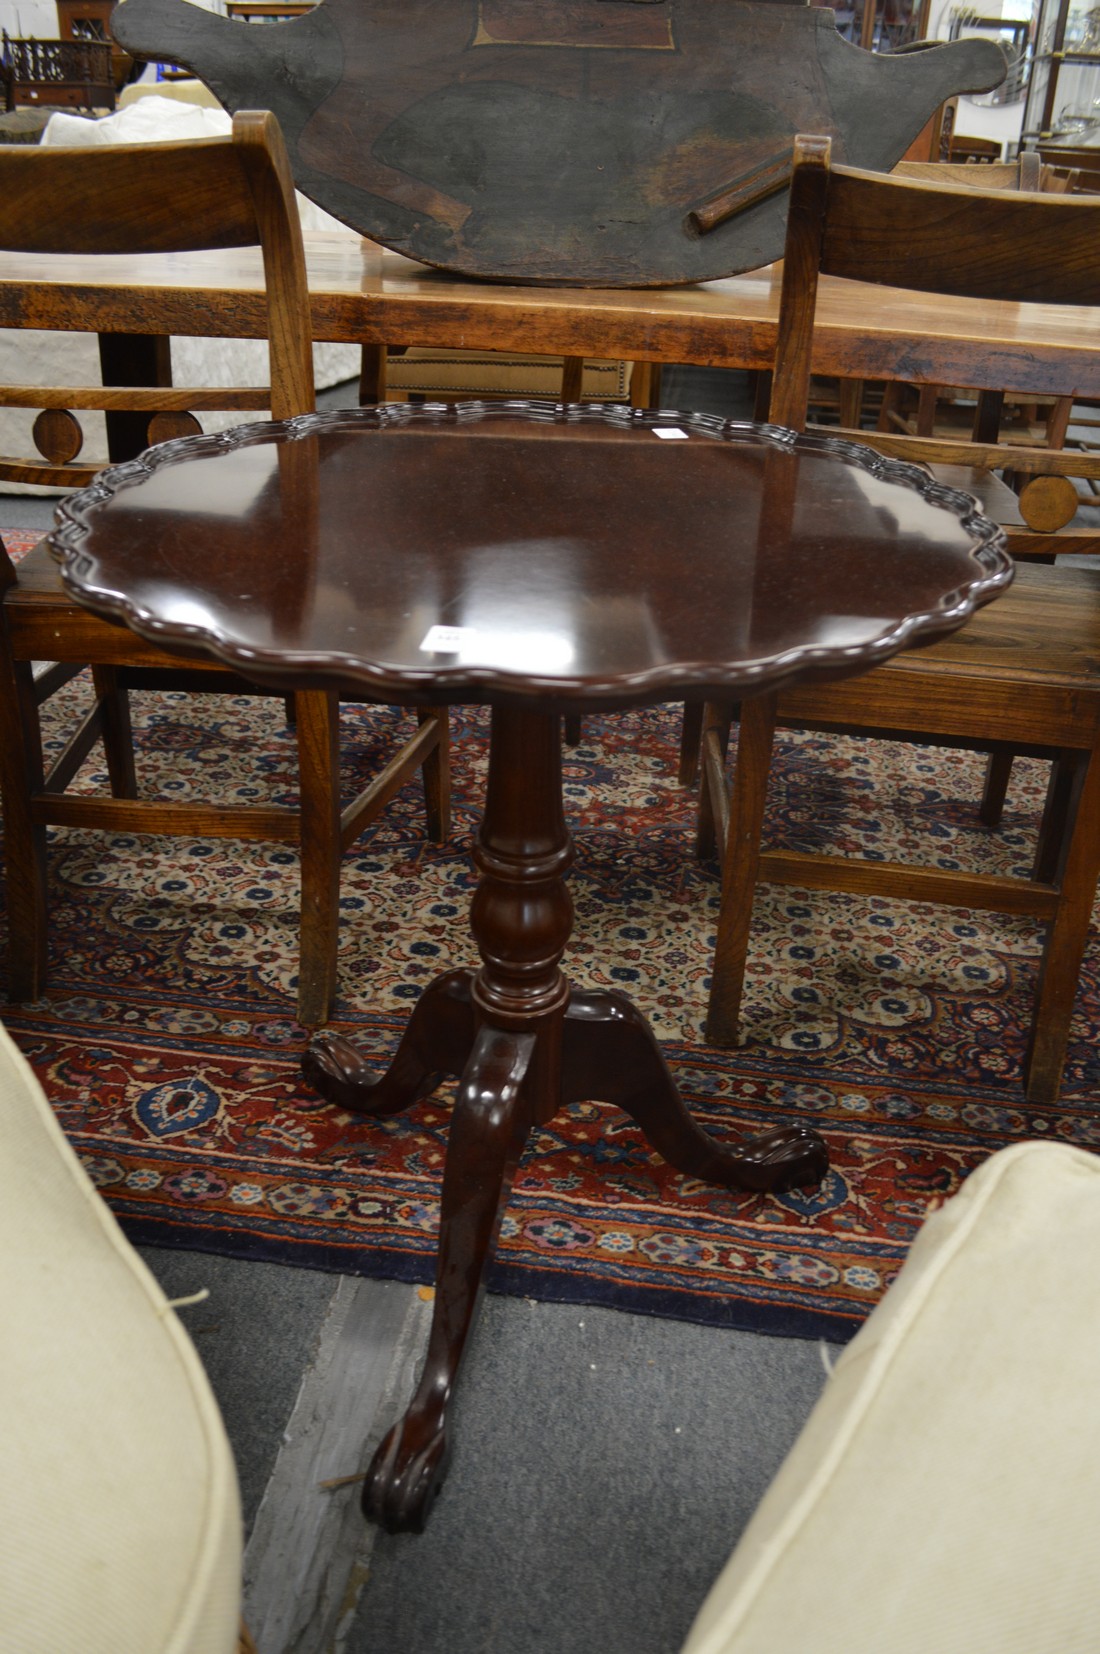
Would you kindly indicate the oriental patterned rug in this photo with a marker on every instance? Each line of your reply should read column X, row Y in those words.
column 168, row 1046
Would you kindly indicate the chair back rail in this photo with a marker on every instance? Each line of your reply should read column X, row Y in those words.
column 210, row 193
column 946, row 238
column 933, row 237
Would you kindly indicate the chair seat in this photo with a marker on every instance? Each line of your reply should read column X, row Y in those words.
column 1019, row 678
column 33, row 607
column 120, row 1511
column 1044, row 628
column 942, row 1494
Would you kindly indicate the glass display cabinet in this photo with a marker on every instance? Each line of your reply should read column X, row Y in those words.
column 1063, row 96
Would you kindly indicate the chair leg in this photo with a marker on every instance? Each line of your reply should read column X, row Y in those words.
column 890, row 396
column 714, row 744
column 1057, row 822
column 1059, row 419
column 21, row 777
column 998, row 772
column 645, row 385
column 571, row 729
column 1067, row 935
column 372, row 375
column 740, row 867
column 318, row 729
column 691, row 730
column 116, row 731
column 572, row 378
column 435, row 773
column 927, row 397
column 851, row 403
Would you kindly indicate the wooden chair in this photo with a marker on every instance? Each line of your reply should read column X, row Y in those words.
column 1031, row 501
column 1076, row 158
column 1019, row 677
column 1030, row 493
column 1032, row 509
column 220, row 192
column 1046, row 506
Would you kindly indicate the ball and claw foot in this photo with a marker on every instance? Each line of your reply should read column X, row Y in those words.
column 405, row 1477
column 335, row 1069
column 786, row 1157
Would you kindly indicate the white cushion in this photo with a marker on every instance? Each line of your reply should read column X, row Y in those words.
column 149, row 120
column 120, row 1528
column 183, row 91
column 942, row 1497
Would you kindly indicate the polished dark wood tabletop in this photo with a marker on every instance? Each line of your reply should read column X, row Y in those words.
column 538, row 557
column 525, row 551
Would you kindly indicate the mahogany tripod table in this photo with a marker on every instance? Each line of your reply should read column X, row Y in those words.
column 540, row 558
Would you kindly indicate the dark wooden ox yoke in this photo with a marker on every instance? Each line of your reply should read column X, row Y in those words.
column 627, row 143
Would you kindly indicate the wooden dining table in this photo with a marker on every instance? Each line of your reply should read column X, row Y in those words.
column 364, row 294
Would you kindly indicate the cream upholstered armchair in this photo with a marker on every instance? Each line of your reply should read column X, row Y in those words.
column 118, row 1495
column 941, row 1498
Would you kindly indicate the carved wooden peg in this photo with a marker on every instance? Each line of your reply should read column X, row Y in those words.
column 764, row 181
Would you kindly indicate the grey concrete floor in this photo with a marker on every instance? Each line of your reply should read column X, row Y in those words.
column 257, row 1334
column 604, row 1464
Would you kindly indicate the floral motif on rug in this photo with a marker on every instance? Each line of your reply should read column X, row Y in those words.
column 168, row 1046
column 19, row 541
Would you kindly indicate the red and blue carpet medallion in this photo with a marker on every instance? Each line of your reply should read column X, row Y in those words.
column 168, row 1045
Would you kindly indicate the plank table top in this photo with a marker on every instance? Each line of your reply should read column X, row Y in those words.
column 361, row 293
